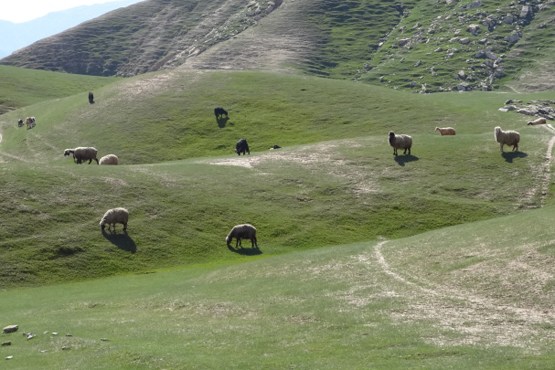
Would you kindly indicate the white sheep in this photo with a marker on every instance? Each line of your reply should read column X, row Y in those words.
column 446, row 131
column 400, row 142
column 115, row 216
column 81, row 154
column 109, row 159
column 508, row 137
column 537, row 121
column 243, row 231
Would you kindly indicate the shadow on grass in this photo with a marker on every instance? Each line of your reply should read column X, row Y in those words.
column 402, row 159
column 245, row 251
column 122, row 241
column 222, row 121
column 510, row 156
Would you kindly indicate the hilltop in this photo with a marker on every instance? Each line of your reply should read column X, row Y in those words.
column 419, row 45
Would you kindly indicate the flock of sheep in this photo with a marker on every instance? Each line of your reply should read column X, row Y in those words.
column 89, row 153
column 508, row 137
column 120, row 215
column 247, row 231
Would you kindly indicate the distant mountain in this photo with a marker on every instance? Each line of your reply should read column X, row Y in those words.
column 420, row 45
column 14, row 36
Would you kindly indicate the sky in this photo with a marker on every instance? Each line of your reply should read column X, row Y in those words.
column 19, row 11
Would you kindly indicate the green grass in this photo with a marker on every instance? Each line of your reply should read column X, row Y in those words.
column 365, row 261
column 334, row 181
column 23, row 87
column 336, row 307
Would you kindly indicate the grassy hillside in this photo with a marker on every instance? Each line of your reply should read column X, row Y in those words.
column 334, row 181
column 417, row 45
column 22, row 87
column 478, row 295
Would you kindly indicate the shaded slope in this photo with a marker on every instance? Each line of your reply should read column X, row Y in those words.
column 143, row 37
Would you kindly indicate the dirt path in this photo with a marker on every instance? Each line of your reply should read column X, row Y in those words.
column 463, row 317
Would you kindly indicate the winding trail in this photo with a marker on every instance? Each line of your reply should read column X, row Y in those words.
column 474, row 319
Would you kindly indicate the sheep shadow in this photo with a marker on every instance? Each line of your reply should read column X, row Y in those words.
column 122, row 241
column 402, row 159
column 510, row 156
column 245, row 251
column 222, row 121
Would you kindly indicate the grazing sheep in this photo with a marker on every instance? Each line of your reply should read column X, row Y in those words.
column 30, row 122
column 81, row 154
column 115, row 216
column 242, row 147
column 91, row 97
column 400, row 142
column 508, row 137
column 219, row 112
column 537, row 121
column 109, row 159
column 446, row 131
column 20, row 122
column 244, row 231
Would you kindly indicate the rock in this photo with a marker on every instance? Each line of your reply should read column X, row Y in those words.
column 509, row 18
column 513, row 37
column 474, row 29
column 403, row 42
column 526, row 12
column 11, row 329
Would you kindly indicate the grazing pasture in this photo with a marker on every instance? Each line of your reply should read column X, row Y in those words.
column 364, row 258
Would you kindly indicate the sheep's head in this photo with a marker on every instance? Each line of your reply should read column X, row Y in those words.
column 67, row 152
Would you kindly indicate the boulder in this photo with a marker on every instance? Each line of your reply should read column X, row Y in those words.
column 10, row 329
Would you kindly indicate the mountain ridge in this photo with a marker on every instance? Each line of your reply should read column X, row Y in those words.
column 419, row 45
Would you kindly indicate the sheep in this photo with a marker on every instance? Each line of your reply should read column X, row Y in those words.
column 244, row 231
column 81, row 154
column 537, row 121
column 91, row 97
column 109, row 159
column 30, row 122
column 242, row 147
column 400, row 142
column 446, row 131
column 115, row 216
column 20, row 122
column 508, row 137
column 219, row 112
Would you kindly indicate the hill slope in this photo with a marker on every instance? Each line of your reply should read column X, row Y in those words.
column 431, row 301
column 421, row 45
column 333, row 181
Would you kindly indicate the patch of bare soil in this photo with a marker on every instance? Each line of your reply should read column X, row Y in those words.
column 278, row 42
column 466, row 318
column 543, row 173
column 318, row 157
